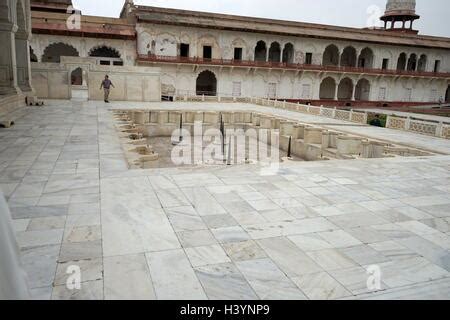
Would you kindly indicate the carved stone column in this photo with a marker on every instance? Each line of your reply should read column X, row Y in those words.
column 8, row 68
column 23, row 62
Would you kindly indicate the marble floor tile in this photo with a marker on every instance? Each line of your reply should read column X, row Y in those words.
column 92, row 290
column 135, row 228
column 198, row 238
column 393, row 250
column 328, row 211
column 185, row 219
column 230, row 234
column 220, row 221
column 29, row 239
column 252, row 196
column 261, row 205
column 321, row 286
column 413, row 213
column 268, row 281
column 288, row 257
column 393, row 216
column 208, row 255
column 40, row 264
column 310, row 242
column 204, row 203
column 355, row 280
column 429, row 291
column 83, row 220
column 245, row 250
column 248, row 218
column 417, row 228
column 34, row 189
column 21, row 225
column 136, row 285
column 161, row 182
column 410, row 271
column 225, row 282
column 393, row 231
column 429, row 250
column 38, row 212
column 339, row 239
column 297, row 227
column 91, row 270
column 82, row 234
column 84, row 208
column 287, row 202
column 237, row 207
column 173, row 277
column 276, row 215
column 440, row 239
column 80, row 251
column 355, row 220
column 49, row 223
column 331, row 259
column 170, row 198
column 364, row 255
column 53, row 200
column 440, row 224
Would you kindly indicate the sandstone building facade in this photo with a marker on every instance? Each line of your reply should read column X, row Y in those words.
column 213, row 54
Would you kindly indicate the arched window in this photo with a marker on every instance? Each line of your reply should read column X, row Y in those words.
column 401, row 63
column 206, row 84
column 261, row 51
column 422, row 65
column 327, row 88
column 288, row 53
column 55, row 51
column 362, row 90
column 412, row 62
column 348, row 57
column 345, row 89
column 275, row 52
column 366, row 58
column 33, row 57
column 331, row 56
column 107, row 55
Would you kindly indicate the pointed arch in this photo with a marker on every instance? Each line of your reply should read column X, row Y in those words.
column 206, row 83
column 55, row 51
column 331, row 56
column 345, row 89
column 327, row 88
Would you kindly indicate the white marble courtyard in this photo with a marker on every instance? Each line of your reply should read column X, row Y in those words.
column 309, row 232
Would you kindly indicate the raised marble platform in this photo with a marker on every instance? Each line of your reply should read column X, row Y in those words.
column 307, row 232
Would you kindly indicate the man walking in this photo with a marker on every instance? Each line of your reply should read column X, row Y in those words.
column 106, row 85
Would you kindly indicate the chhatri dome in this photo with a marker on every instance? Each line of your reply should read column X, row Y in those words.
column 400, row 12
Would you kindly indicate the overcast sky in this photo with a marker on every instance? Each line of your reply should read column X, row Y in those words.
column 350, row 13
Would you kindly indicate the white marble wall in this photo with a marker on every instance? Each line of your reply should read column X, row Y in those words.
column 163, row 40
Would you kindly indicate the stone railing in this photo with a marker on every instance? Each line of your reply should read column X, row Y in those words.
column 421, row 126
column 345, row 115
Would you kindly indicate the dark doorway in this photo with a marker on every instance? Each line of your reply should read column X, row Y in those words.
column 308, row 58
column 238, row 54
column 207, row 52
column 76, row 77
column 184, row 50
column 447, row 95
column 206, row 84
column 261, row 51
